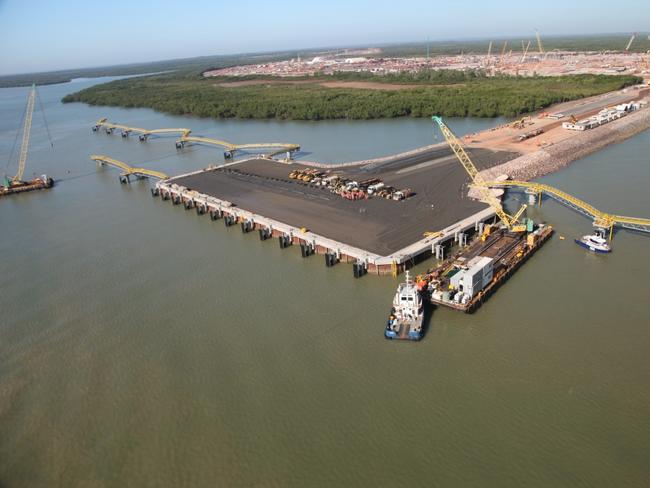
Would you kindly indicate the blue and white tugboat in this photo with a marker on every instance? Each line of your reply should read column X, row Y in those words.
column 595, row 242
column 407, row 315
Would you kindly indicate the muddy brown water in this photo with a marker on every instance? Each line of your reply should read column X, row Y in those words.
column 143, row 345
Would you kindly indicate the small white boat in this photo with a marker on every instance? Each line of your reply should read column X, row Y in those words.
column 595, row 242
column 407, row 315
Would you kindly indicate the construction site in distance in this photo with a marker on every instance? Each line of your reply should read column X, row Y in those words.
column 529, row 58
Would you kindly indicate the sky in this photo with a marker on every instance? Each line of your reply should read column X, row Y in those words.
column 49, row 35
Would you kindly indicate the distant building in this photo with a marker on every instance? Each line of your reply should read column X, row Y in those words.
column 355, row 60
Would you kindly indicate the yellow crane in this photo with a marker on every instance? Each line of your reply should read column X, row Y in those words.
column 511, row 222
column 16, row 184
column 629, row 44
column 27, row 128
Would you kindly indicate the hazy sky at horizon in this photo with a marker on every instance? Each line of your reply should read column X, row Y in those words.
column 47, row 35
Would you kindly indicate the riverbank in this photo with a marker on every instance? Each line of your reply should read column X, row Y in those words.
column 557, row 156
column 554, row 149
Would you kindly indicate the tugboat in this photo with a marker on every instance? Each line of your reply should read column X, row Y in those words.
column 595, row 242
column 407, row 314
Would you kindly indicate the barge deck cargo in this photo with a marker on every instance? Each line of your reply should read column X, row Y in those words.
column 467, row 279
column 41, row 183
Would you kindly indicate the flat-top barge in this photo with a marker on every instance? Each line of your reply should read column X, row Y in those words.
column 467, row 279
column 16, row 184
column 11, row 187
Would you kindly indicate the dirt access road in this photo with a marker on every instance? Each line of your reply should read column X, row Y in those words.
column 361, row 85
column 505, row 137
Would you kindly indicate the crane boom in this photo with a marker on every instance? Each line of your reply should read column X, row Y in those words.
column 523, row 58
column 629, row 44
column 539, row 42
column 472, row 171
column 27, row 126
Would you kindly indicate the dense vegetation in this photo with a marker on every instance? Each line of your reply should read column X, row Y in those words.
column 431, row 77
column 467, row 95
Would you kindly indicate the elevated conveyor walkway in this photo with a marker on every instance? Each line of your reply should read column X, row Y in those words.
column 129, row 170
column 600, row 218
column 185, row 137
column 144, row 133
column 275, row 147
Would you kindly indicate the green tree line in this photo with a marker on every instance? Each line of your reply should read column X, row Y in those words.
column 474, row 95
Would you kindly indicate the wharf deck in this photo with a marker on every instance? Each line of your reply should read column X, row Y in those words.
column 378, row 226
column 318, row 244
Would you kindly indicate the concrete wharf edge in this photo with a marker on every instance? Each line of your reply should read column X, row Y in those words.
column 374, row 263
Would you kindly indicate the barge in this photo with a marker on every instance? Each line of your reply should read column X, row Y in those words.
column 468, row 278
column 12, row 187
column 16, row 184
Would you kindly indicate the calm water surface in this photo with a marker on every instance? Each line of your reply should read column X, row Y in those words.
column 142, row 345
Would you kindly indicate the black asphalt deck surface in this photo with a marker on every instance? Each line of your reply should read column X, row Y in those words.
column 376, row 225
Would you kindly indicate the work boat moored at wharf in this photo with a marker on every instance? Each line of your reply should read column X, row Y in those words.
column 407, row 315
column 595, row 242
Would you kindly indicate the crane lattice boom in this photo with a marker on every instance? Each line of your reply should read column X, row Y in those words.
column 540, row 47
column 26, row 130
column 477, row 179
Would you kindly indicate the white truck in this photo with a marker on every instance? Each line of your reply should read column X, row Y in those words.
column 372, row 189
